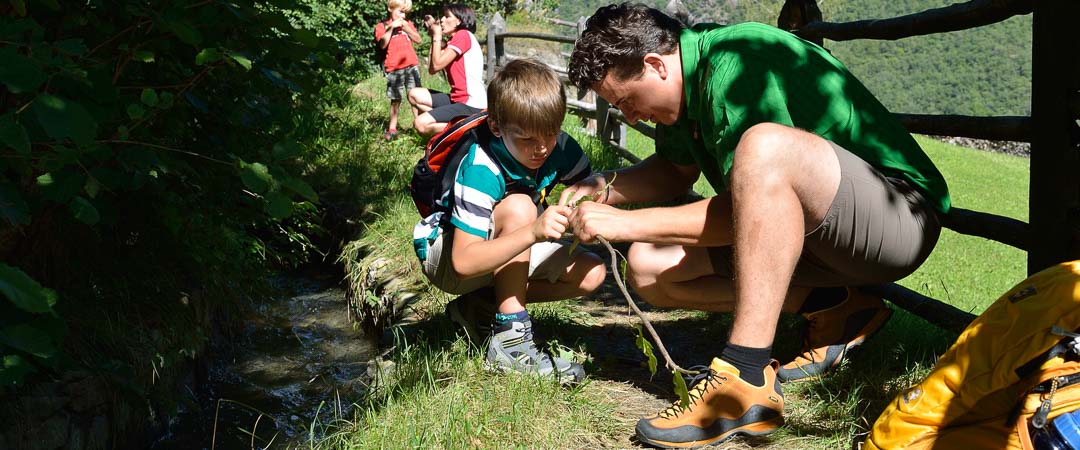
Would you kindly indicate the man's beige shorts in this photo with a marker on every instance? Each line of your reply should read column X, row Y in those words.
column 547, row 261
column 878, row 229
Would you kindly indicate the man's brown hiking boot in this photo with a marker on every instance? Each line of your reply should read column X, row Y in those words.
column 831, row 332
column 722, row 405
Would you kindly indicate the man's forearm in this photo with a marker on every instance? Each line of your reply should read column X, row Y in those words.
column 704, row 223
column 653, row 179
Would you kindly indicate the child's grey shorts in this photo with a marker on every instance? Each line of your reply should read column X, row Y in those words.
column 547, row 261
column 401, row 81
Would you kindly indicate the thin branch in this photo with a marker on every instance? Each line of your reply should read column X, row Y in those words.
column 162, row 147
column 675, row 368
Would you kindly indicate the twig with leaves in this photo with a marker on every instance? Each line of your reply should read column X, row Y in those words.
column 618, row 271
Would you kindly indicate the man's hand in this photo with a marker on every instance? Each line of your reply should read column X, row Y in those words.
column 583, row 190
column 592, row 219
column 552, row 223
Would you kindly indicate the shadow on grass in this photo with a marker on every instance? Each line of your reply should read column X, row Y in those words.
column 846, row 401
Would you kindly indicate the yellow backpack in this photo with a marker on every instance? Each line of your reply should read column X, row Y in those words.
column 1015, row 367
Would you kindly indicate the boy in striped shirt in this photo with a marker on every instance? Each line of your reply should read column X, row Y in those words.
column 496, row 240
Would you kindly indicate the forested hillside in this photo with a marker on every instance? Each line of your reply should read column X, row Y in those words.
column 985, row 71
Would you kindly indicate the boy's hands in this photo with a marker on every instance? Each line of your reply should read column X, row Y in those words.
column 584, row 190
column 552, row 223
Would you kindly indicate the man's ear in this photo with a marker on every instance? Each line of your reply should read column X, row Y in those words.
column 655, row 61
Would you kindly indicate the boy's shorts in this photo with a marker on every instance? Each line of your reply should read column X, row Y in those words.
column 878, row 229
column 547, row 261
column 401, row 79
column 443, row 110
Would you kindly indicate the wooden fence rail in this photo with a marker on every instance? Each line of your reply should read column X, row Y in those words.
column 803, row 18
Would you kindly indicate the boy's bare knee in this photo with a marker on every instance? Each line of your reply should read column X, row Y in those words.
column 514, row 211
column 595, row 274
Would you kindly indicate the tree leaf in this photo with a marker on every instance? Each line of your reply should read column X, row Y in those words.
column 60, row 186
column 241, row 59
column 62, row 118
column 14, row 369
column 646, row 348
column 145, row 56
column 71, row 46
column 256, row 177
column 135, row 111
column 14, row 135
column 680, row 389
column 24, row 292
column 300, row 187
column 306, row 37
column 149, row 97
column 12, row 206
column 207, row 56
column 183, row 30
column 84, row 211
column 278, row 205
column 29, row 339
column 20, row 7
column 19, row 73
column 167, row 100
column 285, row 149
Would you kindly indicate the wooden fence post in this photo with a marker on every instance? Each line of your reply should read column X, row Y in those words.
column 1054, row 200
column 494, row 46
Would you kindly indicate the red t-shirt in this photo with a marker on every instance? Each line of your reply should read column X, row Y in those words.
column 399, row 52
column 466, row 72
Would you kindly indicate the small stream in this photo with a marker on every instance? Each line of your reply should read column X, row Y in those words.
column 298, row 361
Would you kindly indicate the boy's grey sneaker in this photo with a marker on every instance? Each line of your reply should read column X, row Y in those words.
column 513, row 350
column 473, row 313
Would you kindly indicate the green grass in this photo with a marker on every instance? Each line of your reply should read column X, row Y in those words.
column 439, row 396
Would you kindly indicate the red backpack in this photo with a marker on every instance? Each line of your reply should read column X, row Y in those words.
column 434, row 173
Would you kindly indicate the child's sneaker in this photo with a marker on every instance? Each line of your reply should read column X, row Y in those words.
column 389, row 135
column 473, row 313
column 513, row 350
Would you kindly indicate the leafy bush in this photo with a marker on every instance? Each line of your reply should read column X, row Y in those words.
column 153, row 134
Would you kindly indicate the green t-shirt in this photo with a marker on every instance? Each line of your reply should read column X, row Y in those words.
column 741, row 75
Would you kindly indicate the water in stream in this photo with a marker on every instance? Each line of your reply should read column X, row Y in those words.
column 299, row 362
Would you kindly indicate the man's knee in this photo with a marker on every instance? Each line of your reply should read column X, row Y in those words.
column 761, row 145
column 643, row 271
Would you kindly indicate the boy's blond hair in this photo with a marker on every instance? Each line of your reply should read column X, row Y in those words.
column 405, row 5
column 528, row 95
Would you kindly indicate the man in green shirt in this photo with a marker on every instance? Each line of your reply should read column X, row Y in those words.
column 820, row 189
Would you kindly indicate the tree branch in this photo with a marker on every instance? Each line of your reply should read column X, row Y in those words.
column 675, row 368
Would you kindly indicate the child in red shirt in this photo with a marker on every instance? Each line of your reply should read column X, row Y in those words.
column 395, row 37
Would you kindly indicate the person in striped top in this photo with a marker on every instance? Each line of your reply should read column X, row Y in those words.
column 496, row 240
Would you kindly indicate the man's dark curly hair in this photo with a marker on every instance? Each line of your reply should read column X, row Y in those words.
column 616, row 39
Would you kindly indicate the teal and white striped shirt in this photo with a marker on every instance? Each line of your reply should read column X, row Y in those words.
column 482, row 180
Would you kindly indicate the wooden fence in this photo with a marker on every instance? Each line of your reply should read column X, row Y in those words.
column 1053, row 129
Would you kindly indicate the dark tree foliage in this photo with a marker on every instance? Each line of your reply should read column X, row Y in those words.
column 141, row 144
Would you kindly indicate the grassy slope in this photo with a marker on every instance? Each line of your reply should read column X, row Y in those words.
column 442, row 398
